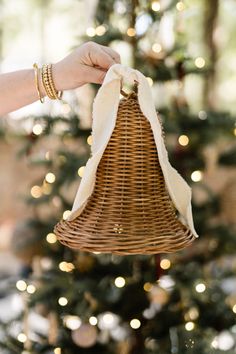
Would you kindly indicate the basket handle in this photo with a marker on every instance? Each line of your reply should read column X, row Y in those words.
column 135, row 89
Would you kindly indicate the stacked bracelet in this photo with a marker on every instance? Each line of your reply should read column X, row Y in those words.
column 36, row 77
column 48, row 83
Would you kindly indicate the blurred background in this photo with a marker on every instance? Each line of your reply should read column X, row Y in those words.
column 53, row 300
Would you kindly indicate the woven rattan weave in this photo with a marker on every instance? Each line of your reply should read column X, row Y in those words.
column 129, row 211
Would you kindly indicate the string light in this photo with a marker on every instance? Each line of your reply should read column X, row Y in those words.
column 36, row 192
column 180, row 6
column 156, row 47
column 62, row 301
column 183, row 140
column 235, row 131
column 93, row 320
column 119, row 282
column 165, row 263
column 81, row 171
column 47, row 155
column 37, row 129
column 156, row 6
column 31, row 289
column 50, row 177
column 89, row 140
column 196, row 176
column 135, row 323
column 131, row 32
column 214, row 343
column 202, row 115
column 51, row 238
column 66, row 214
column 21, row 285
column 234, row 308
column 150, row 81
column 200, row 62
column 100, row 30
column 22, row 337
column 200, row 288
column 72, row 322
column 57, row 350
column 66, row 266
column 91, row 32
column 147, row 287
column 189, row 326
column 192, row 314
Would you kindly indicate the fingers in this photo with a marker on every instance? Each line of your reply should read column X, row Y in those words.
column 101, row 56
column 112, row 53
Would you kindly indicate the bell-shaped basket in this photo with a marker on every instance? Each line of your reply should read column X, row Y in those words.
column 130, row 210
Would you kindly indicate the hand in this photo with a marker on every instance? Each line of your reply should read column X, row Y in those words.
column 86, row 64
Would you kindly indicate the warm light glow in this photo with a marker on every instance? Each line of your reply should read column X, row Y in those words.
column 180, row 6
column 72, row 322
column 50, row 177
column 47, row 155
column 91, row 32
column 51, row 238
column 66, row 214
column 150, row 81
column 93, row 320
column 100, row 30
column 21, row 285
column 90, row 140
column 156, row 6
column 165, row 263
column 156, row 47
column 66, row 266
column 214, row 343
column 234, row 308
column 196, row 176
column 31, row 289
column 120, row 282
column 135, row 323
column 131, row 32
column 200, row 288
column 81, row 171
column 108, row 318
column 147, row 287
column 36, row 192
column 22, row 338
column 189, row 326
column 200, row 62
column 183, row 140
column 37, row 129
column 57, row 351
column 62, row 301
column 235, row 131
column 192, row 314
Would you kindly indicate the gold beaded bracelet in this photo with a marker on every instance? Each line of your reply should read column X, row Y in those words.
column 48, row 83
column 36, row 78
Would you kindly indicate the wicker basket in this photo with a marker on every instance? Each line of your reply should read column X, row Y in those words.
column 129, row 211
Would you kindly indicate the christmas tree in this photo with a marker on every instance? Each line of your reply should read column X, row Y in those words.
column 78, row 302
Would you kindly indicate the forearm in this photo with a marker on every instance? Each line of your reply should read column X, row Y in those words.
column 18, row 89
